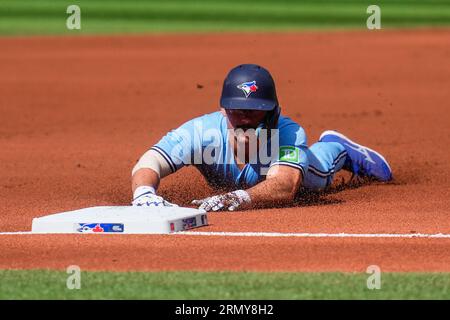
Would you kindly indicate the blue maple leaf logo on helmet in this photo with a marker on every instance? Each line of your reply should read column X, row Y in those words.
column 248, row 87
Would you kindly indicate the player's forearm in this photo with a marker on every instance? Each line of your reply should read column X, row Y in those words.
column 144, row 184
column 272, row 192
column 144, row 177
column 280, row 187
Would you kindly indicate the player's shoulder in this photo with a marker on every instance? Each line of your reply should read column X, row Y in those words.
column 206, row 121
column 288, row 127
column 285, row 122
column 213, row 117
column 212, row 120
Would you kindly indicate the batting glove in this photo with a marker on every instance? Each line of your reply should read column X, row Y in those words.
column 146, row 196
column 228, row 201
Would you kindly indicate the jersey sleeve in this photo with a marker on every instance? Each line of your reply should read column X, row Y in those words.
column 180, row 146
column 292, row 150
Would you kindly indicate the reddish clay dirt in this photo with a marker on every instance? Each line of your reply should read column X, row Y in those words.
column 76, row 113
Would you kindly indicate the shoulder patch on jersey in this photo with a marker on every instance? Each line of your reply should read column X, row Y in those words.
column 289, row 154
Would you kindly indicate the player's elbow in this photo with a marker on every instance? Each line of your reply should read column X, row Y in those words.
column 290, row 192
column 153, row 161
column 285, row 191
column 136, row 167
column 286, row 184
column 291, row 187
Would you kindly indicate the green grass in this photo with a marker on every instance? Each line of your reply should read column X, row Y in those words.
column 24, row 17
column 44, row 284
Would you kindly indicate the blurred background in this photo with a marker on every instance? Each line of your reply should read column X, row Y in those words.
column 23, row 17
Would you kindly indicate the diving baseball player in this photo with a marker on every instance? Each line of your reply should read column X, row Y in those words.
column 253, row 152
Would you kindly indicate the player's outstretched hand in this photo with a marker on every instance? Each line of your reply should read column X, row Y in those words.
column 228, row 201
column 146, row 196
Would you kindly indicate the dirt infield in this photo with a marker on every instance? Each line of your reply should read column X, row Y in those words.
column 76, row 113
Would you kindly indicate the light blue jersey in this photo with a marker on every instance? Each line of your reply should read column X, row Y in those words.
column 204, row 142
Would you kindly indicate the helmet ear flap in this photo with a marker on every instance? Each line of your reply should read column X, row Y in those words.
column 270, row 121
column 272, row 118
